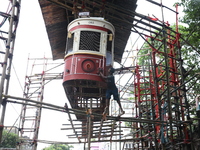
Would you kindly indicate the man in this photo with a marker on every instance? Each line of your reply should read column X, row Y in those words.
column 111, row 88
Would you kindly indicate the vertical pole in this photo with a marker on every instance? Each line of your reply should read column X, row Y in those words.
column 7, row 53
column 8, row 60
column 39, row 111
column 90, row 125
column 119, row 121
column 198, row 114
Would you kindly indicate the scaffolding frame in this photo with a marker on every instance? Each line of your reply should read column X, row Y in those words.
column 161, row 115
column 37, row 77
column 8, row 37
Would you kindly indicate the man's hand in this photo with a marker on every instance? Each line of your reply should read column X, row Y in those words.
column 100, row 70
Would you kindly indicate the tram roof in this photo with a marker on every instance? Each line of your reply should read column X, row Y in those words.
column 58, row 14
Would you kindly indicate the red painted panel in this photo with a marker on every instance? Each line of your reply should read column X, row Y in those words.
column 83, row 66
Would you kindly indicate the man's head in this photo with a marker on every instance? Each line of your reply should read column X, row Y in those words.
column 111, row 70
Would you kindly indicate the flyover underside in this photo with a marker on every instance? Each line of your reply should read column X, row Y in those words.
column 58, row 14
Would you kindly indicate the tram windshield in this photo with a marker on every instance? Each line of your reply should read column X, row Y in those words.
column 90, row 40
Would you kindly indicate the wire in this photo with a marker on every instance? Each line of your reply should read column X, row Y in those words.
column 17, row 77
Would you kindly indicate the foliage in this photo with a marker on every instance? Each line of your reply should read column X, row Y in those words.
column 191, row 47
column 9, row 140
column 59, row 147
column 128, row 124
column 192, row 20
column 189, row 55
column 144, row 59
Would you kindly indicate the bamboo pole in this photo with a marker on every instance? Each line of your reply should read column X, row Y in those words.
column 8, row 59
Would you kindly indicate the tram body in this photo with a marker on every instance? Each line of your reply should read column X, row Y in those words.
column 89, row 48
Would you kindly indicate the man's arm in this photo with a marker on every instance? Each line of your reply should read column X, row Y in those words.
column 101, row 74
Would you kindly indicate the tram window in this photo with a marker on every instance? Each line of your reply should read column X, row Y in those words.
column 109, row 52
column 108, row 59
column 89, row 40
column 109, row 45
column 70, row 42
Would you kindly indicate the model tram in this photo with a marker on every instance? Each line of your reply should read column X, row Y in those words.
column 89, row 48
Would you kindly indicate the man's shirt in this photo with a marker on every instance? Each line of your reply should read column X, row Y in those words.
column 111, row 82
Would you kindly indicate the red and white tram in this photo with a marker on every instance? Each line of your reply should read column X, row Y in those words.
column 89, row 47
